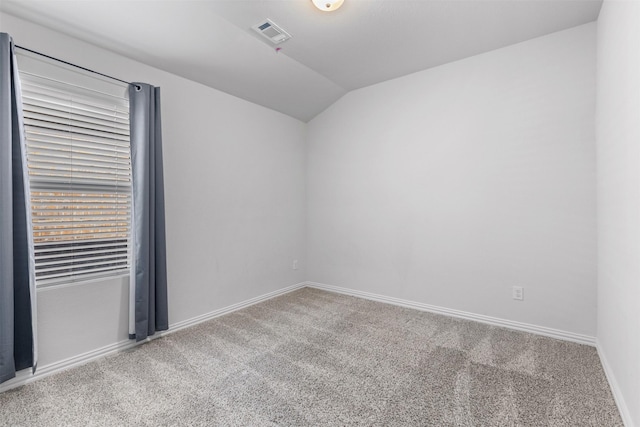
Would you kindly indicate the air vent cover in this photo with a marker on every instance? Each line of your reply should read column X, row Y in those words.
column 271, row 31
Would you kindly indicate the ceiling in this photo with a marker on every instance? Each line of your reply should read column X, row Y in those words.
column 363, row 43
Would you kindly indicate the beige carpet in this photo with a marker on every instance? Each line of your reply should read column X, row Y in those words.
column 313, row 358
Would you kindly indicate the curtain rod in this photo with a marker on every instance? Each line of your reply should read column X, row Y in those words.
column 73, row 65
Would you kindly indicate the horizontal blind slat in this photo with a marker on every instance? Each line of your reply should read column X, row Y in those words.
column 42, row 86
column 45, row 107
column 53, row 135
column 54, row 156
column 80, row 245
column 75, row 121
column 79, row 266
column 86, row 254
column 64, row 113
column 36, row 123
column 68, row 261
column 52, row 276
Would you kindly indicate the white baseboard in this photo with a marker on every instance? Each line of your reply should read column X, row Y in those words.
column 217, row 313
column 495, row 321
column 25, row 376
column 615, row 389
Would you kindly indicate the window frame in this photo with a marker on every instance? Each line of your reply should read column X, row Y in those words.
column 80, row 85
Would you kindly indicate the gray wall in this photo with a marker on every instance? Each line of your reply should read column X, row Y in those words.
column 451, row 185
column 618, row 149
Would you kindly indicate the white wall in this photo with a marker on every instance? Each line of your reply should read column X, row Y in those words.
column 450, row 185
column 235, row 202
column 618, row 153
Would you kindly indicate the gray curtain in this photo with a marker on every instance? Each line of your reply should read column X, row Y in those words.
column 149, row 242
column 17, row 293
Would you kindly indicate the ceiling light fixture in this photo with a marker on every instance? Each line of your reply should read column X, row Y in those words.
column 328, row 5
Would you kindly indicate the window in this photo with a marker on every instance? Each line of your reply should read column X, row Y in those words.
column 79, row 166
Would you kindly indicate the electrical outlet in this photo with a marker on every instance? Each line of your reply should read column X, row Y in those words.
column 518, row 293
column 295, row 264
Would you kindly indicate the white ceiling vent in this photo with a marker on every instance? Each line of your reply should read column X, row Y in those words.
column 271, row 31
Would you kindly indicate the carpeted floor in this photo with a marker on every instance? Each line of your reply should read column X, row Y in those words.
column 313, row 358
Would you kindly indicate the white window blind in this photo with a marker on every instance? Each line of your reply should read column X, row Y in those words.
column 78, row 156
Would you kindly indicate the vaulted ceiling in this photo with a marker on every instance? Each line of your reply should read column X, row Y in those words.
column 363, row 43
